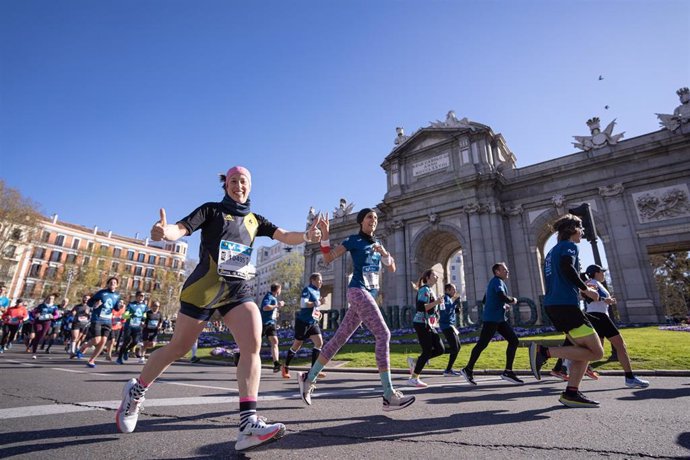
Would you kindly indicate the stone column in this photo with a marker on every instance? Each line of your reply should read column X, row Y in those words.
column 628, row 260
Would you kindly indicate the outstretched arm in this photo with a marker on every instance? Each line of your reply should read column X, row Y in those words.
column 329, row 255
column 293, row 238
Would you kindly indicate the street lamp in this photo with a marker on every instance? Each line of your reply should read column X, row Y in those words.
column 70, row 275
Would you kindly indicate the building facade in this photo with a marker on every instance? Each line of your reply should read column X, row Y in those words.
column 72, row 259
column 454, row 186
column 267, row 258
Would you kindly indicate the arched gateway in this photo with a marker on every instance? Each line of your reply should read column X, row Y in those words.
column 454, row 186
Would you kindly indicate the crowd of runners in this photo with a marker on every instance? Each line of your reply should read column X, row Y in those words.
column 219, row 284
column 100, row 324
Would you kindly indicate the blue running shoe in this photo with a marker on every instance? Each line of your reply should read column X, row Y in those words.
column 451, row 373
column 91, row 365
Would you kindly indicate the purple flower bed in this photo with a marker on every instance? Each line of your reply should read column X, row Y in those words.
column 679, row 328
column 362, row 336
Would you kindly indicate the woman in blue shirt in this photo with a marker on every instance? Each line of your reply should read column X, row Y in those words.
column 367, row 256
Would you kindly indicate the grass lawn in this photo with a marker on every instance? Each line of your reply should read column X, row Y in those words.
column 649, row 349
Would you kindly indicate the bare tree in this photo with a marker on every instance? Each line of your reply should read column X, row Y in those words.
column 289, row 272
column 19, row 217
column 672, row 275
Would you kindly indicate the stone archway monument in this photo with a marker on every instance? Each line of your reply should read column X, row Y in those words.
column 455, row 185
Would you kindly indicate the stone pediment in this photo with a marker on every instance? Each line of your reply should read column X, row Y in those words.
column 424, row 138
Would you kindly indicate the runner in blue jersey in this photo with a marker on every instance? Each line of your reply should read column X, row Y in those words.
column 134, row 317
column 4, row 305
column 269, row 314
column 219, row 282
column 367, row 256
column 497, row 304
column 562, row 305
column 43, row 315
column 425, row 322
column 152, row 325
column 56, row 326
column 447, row 323
column 307, row 323
column 102, row 305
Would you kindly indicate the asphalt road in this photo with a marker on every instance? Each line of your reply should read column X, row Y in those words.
column 56, row 408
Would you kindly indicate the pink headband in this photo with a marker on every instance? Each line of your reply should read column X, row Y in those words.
column 237, row 170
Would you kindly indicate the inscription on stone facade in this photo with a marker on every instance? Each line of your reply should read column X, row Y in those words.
column 431, row 164
column 662, row 203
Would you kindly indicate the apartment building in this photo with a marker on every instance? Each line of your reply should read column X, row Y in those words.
column 72, row 259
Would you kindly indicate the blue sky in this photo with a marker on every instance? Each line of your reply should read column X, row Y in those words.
column 112, row 109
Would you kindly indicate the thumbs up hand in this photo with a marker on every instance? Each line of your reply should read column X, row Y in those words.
column 158, row 229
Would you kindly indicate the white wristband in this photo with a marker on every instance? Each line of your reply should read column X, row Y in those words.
column 387, row 261
column 325, row 243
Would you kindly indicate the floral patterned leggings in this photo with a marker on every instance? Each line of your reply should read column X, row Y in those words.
column 363, row 309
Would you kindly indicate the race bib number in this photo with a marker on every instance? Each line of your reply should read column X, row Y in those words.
column 316, row 314
column 153, row 324
column 45, row 317
column 14, row 320
column 82, row 319
column 234, row 259
column 371, row 279
column 105, row 314
column 135, row 321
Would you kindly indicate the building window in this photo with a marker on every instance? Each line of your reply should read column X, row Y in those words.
column 35, row 271
column 162, row 261
column 51, row 272
column 60, row 240
column 115, row 266
column 156, row 286
column 117, row 253
column 75, row 243
column 137, row 271
column 149, row 272
column 152, row 259
column 147, row 286
column 135, row 284
column 130, row 255
column 28, row 290
column 55, row 256
column 89, row 247
column 128, row 268
column 87, row 261
column 16, row 234
column 9, row 251
column 141, row 257
column 104, row 249
column 100, row 263
column 45, row 236
column 71, row 258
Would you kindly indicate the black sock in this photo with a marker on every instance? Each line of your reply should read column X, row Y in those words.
column 629, row 375
column 247, row 410
column 315, row 352
column 570, row 390
column 290, row 355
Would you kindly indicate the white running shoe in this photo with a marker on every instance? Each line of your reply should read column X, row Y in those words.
column 417, row 383
column 142, row 360
column 305, row 388
column 257, row 433
column 128, row 413
column 411, row 363
column 398, row 401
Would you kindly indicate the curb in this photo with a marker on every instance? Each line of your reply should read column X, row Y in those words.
column 438, row 372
